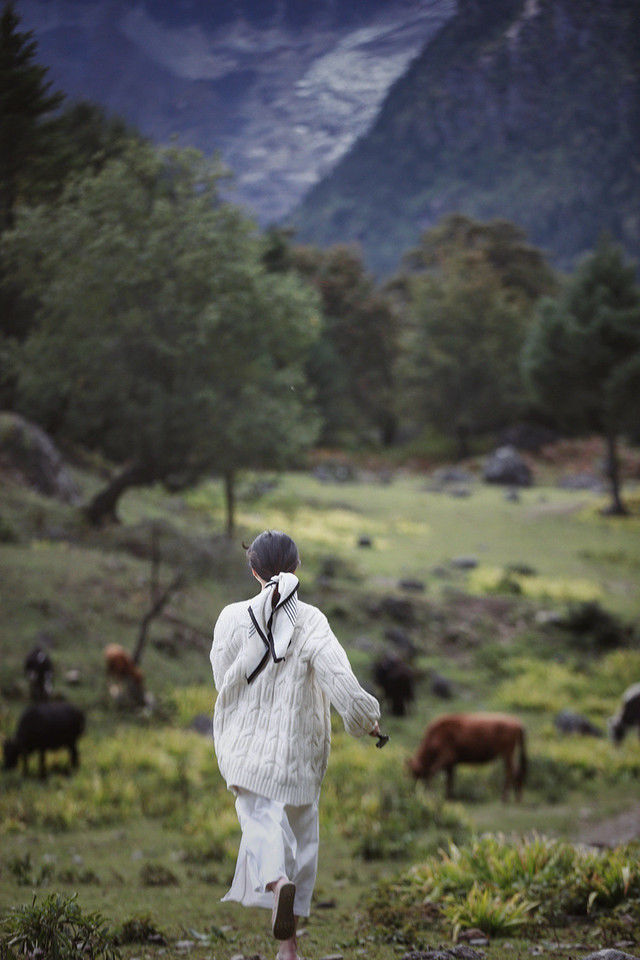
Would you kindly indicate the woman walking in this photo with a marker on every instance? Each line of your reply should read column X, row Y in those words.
column 277, row 668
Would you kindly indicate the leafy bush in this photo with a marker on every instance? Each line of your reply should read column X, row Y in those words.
column 488, row 911
column 139, row 929
column 495, row 883
column 59, row 929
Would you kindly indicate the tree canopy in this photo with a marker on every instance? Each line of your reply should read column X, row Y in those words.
column 161, row 340
column 467, row 295
column 582, row 355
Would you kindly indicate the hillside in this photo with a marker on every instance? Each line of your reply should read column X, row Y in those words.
column 280, row 88
column 523, row 109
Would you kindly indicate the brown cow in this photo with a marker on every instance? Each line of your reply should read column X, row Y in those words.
column 472, row 738
column 119, row 665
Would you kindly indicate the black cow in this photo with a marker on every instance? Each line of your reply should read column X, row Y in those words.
column 39, row 670
column 45, row 726
column 397, row 679
column 628, row 715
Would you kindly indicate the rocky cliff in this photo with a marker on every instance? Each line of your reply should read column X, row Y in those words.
column 281, row 88
column 523, row 109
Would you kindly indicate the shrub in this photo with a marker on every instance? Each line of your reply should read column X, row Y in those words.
column 57, row 928
column 495, row 883
column 487, row 911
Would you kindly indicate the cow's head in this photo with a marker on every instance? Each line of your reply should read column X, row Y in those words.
column 617, row 729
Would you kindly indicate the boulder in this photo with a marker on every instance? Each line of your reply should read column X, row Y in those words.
column 566, row 721
column 459, row 952
column 33, row 458
column 506, row 466
column 611, row 954
column 440, row 686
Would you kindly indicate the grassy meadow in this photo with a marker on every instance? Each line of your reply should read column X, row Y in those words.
column 146, row 833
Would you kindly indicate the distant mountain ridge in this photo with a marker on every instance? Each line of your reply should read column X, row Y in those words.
column 281, row 88
column 522, row 109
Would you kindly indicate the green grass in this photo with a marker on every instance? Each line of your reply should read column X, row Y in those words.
column 145, row 832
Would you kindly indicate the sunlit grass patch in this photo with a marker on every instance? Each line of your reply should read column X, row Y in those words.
column 550, row 686
column 185, row 703
column 487, row 579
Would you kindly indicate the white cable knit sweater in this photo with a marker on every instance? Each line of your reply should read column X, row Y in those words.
column 272, row 736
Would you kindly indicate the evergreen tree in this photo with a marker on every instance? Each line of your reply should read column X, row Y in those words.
column 25, row 100
column 582, row 355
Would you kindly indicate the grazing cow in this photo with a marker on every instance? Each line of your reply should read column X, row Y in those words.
column 45, row 726
column 119, row 665
column 39, row 671
column 472, row 738
column 628, row 715
column 397, row 680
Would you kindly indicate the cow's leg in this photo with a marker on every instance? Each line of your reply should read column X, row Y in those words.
column 449, row 788
column 73, row 756
column 509, row 777
column 25, row 764
column 43, row 766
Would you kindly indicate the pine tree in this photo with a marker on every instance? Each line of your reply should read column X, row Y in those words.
column 25, row 99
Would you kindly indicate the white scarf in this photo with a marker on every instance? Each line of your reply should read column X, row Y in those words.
column 271, row 628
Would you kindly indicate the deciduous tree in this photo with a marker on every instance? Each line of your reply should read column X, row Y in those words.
column 161, row 339
column 582, row 355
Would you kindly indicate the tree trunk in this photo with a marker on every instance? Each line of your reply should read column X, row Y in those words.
column 230, row 501
column 102, row 508
column 616, row 507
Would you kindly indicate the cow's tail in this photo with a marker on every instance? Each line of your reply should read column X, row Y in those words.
column 521, row 769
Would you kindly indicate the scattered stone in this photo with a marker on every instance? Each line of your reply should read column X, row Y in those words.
column 326, row 905
column 448, row 476
column 401, row 640
column 439, row 572
column 459, row 952
column 440, row 686
column 202, row 724
column 611, row 955
column 186, row 945
column 549, row 618
column 512, row 496
column 464, row 563
column 460, row 492
column 334, row 472
column 397, row 609
column 473, row 933
column 581, row 481
column 365, row 541
column 26, row 450
column 506, row 466
column 73, row 677
column 412, row 586
column 566, row 721
column 332, row 956
column 521, row 569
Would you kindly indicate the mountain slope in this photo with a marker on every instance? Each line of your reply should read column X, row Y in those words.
column 524, row 109
column 281, row 88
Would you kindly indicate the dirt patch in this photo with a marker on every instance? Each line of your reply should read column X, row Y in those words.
column 623, row 828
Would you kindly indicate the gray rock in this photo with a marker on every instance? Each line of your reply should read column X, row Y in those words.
column 512, row 496
column 581, row 481
column 33, row 457
column 440, row 686
column 458, row 952
column 611, row 954
column 202, row 723
column 566, row 721
column 464, row 563
column 365, row 541
column 412, row 586
column 506, row 466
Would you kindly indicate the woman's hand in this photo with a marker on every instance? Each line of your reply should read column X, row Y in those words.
column 375, row 732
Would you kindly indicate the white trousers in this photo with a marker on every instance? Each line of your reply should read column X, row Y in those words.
column 278, row 840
